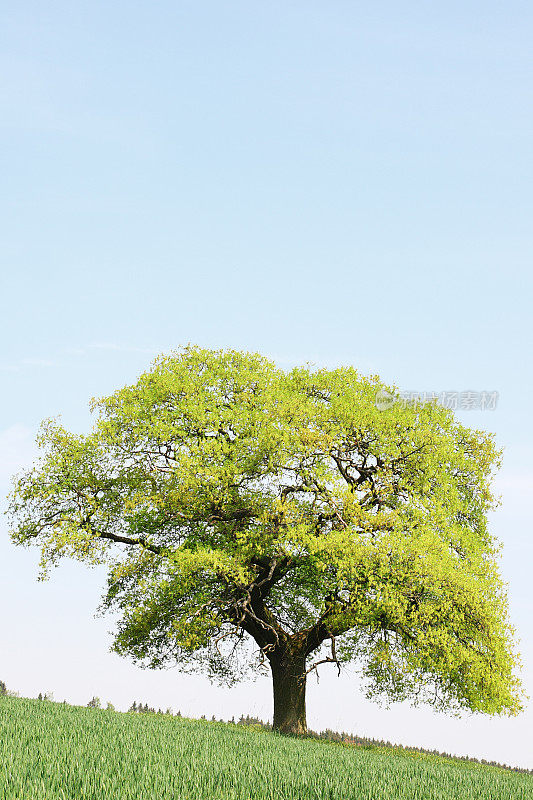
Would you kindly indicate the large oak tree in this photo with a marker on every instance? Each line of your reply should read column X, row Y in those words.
column 238, row 504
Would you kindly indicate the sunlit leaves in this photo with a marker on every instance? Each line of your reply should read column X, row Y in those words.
column 217, row 463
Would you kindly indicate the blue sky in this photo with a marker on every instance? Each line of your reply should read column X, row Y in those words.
column 339, row 183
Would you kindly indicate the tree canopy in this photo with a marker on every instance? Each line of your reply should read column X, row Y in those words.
column 236, row 503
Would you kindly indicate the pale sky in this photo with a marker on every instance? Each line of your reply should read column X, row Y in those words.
column 341, row 183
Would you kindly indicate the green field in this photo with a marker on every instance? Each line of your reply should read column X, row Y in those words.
column 49, row 751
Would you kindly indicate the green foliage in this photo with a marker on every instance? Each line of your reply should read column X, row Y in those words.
column 233, row 500
column 52, row 752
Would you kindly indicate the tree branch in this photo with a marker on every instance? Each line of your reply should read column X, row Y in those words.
column 328, row 660
column 113, row 537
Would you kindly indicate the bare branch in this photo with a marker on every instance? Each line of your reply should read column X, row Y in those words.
column 328, row 660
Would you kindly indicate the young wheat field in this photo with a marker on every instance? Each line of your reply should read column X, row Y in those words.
column 50, row 751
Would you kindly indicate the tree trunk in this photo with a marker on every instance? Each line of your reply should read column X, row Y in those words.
column 289, row 679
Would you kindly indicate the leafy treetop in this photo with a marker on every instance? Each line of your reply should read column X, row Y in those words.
column 233, row 500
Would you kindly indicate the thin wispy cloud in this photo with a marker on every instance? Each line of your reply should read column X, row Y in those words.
column 17, row 450
column 515, row 489
column 28, row 362
column 39, row 362
column 123, row 348
column 61, row 358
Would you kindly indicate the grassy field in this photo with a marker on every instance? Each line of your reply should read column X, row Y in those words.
column 53, row 752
